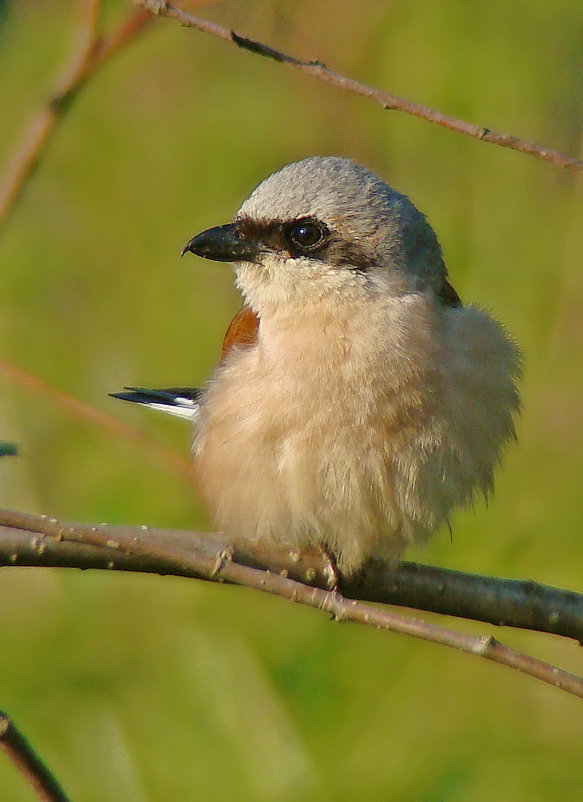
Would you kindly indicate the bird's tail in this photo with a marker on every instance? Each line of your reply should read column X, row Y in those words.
column 180, row 401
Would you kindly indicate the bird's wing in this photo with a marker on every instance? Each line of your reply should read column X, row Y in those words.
column 180, row 401
column 242, row 330
column 184, row 401
column 448, row 296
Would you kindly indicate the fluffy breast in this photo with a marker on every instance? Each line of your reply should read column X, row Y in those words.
column 360, row 436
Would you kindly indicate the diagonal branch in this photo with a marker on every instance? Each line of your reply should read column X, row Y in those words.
column 38, row 775
column 92, row 52
column 74, row 406
column 27, row 539
column 388, row 101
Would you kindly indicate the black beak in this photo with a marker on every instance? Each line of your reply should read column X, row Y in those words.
column 223, row 244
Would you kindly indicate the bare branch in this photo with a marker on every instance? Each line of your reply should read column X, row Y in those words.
column 213, row 558
column 30, row 764
column 91, row 53
column 503, row 602
column 388, row 101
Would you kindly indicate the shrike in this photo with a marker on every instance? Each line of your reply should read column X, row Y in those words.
column 357, row 401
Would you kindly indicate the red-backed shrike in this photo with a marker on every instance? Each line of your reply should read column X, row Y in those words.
column 357, row 401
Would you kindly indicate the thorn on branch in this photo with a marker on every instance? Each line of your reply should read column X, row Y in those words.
column 153, row 6
column 224, row 557
column 486, row 643
column 262, row 50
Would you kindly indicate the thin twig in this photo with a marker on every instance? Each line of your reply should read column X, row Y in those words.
column 180, row 466
column 29, row 763
column 217, row 562
column 92, row 52
column 388, row 101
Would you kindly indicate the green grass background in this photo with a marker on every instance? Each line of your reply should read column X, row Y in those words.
column 147, row 688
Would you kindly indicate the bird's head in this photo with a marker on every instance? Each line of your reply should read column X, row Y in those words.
column 324, row 228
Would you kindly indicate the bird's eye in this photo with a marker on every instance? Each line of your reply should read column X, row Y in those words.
column 305, row 235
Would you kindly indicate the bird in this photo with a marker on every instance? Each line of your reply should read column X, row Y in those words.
column 357, row 401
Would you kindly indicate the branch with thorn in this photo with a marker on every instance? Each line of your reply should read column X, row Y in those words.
column 27, row 539
column 316, row 69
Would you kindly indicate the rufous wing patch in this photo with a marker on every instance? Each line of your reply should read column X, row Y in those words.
column 242, row 330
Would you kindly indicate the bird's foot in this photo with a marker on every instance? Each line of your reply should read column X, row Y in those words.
column 330, row 570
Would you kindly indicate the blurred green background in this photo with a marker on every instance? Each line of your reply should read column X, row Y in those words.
column 148, row 688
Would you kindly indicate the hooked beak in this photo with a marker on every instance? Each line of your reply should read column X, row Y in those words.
column 223, row 244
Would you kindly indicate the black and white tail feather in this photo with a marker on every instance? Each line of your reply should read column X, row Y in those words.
column 182, row 402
